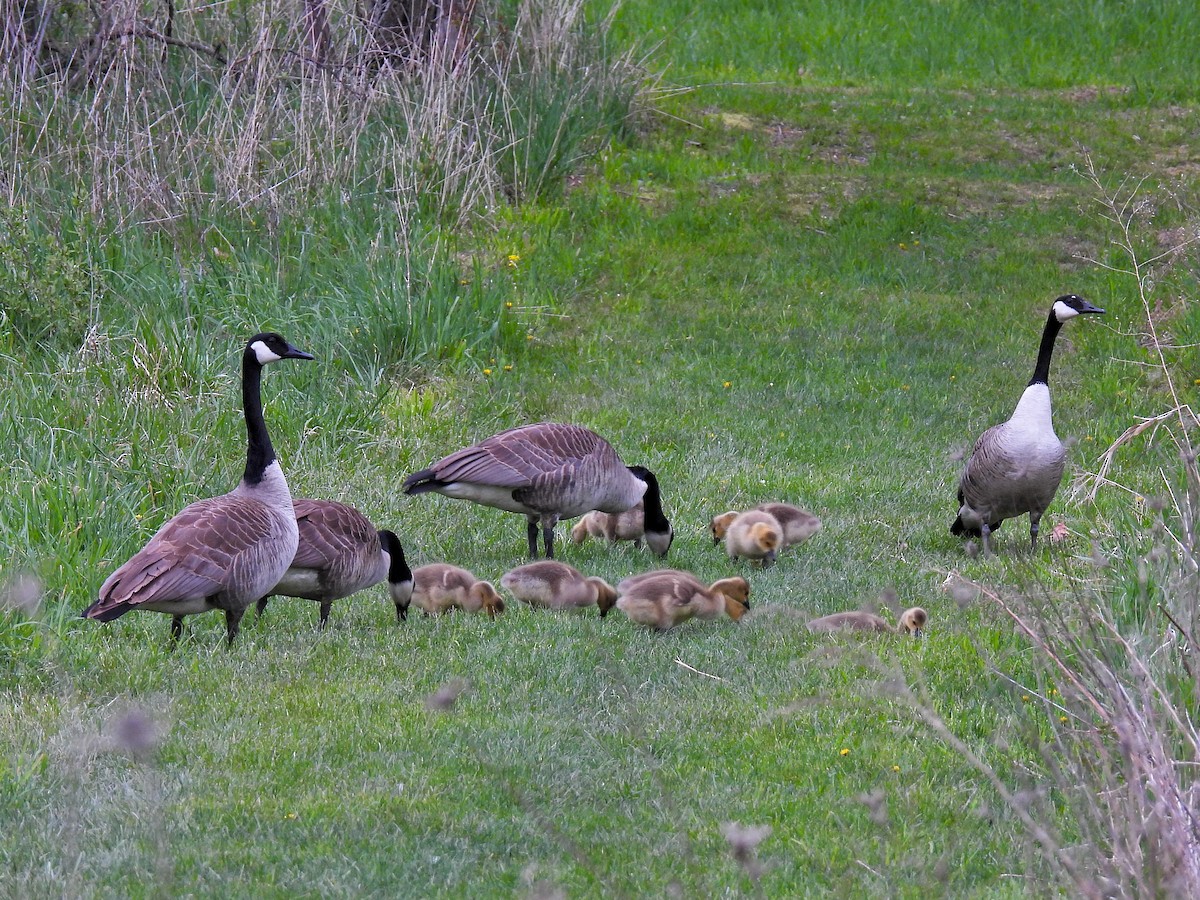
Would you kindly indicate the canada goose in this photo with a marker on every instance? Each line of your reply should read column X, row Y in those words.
column 340, row 553
column 555, row 585
column 664, row 598
column 754, row 534
column 798, row 524
column 548, row 472
column 1016, row 466
column 912, row 621
column 222, row 552
column 439, row 587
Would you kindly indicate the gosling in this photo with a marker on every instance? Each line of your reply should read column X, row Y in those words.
column 798, row 524
column 912, row 621
column 439, row 587
column 555, row 585
column 664, row 598
column 626, row 526
column 754, row 535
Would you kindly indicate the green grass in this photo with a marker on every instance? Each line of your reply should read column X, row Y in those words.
column 818, row 292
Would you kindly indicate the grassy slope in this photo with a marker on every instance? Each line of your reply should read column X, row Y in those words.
column 868, row 269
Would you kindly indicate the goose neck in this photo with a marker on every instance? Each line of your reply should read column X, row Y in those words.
column 1041, row 371
column 259, row 452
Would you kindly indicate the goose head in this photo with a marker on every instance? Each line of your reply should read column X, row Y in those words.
column 269, row 346
column 399, row 575
column 912, row 621
column 1069, row 306
column 659, row 533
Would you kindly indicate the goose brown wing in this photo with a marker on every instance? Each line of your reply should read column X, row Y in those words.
column 192, row 555
column 523, row 457
column 330, row 532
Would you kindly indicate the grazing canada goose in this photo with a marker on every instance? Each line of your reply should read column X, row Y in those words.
column 664, row 598
column 548, row 472
column 555, row 585
column 798, row 524
column 223, row 552
column 754, row 534
column 340, row 553
column 612, row 527
column 1016, row 466
column 912, row 621
column 439, row 587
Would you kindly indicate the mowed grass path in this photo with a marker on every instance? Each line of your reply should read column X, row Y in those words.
column 811, row 293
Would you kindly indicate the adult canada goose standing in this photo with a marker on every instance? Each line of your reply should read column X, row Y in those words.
column 548, row 472
column 1016, row 466
column 340, row 552
column 223, row 552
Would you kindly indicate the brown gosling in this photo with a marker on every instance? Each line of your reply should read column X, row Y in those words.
column 798, row 524
column 718, row 525
column 439, row 587
column 554, row 585
column 754, row 534
column 626, row 526
column 912, row 621
column 664, row 598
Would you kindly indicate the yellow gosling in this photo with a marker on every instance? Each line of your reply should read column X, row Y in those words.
column 912, row 621
column 664, row 598
column 754, row 535
column 439, row 587
column 554, row 585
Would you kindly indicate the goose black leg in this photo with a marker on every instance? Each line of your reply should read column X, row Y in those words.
column 531, row 531
column 233, row 619
column 176, row 628
column 260, row 607
column 986, row 530
column 1033, row 533
column 324, row 615
column 548, row 537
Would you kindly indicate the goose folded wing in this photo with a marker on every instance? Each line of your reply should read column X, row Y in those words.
column 330, row 532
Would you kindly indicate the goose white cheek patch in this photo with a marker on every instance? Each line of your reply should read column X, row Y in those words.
column 264, row 354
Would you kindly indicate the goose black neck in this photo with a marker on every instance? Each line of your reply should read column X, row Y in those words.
column 655, row 520
column 259, row 452
column 398, row 570
column 1041, row 371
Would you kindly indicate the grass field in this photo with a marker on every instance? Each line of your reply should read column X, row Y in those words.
column 815, row 271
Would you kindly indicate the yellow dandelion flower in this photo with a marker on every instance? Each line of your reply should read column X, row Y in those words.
column 508, row 368
column 895, row 768
column 727, row 384
column 1062, row 718
column 1024, row 698
column 513, row 259
column 845, row 751
column 487, row 371
column 508, row 305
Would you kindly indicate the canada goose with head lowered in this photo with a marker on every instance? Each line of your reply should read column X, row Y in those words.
column 1016, row 466
column 550, row 584
column 340, row 553
column 664, row 598
column 548, row 472
column 912, row 621
column 224, row 552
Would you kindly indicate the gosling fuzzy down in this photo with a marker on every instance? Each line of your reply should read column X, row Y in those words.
column 912, row 621
column 664, row 598
column 549, row 584
column 440, row 587
column 626, row 526
column 798, row 524
column 754, row 535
